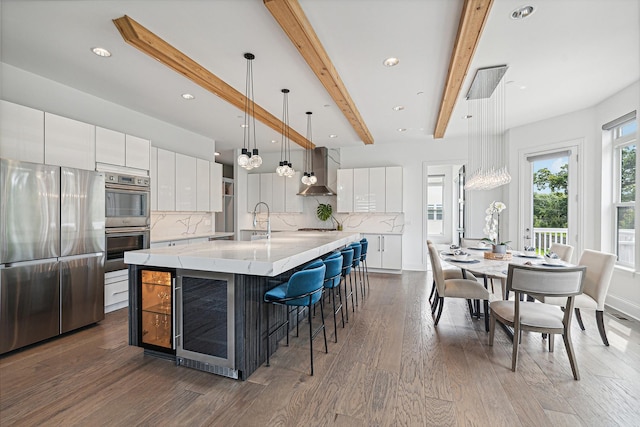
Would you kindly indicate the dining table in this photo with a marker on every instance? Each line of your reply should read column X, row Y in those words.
column 494, row 267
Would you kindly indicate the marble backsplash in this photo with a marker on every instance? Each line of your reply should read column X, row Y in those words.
column 180, row 225
column 360, row 222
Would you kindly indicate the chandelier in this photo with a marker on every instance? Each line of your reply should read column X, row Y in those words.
column 249, row 158
column 284, row 167
column 309, row 177
column 486, row 115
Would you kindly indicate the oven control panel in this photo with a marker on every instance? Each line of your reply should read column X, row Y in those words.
column 136, row 181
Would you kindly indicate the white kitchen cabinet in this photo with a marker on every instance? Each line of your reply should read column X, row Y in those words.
column 344, row 201
column 69, row 143
column 116, row 290
column 137, row 152
column 110, row 146
column 153, row 176
column 253, row 190
column 215, row 187
column 203, row 185
column 361, row 190
column 166, row 180
column 21, row 133
column 384, row 251
column 279, row 184
column 393, row 189
column 266, row 190
column 185, row 183
column 370, row 189
column 377, row 190
column 292, row 202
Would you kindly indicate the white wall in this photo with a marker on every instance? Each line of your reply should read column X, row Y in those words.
column 595, row 165
column 24, row 88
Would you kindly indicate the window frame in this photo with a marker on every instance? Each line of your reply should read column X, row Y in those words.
column 618, row 144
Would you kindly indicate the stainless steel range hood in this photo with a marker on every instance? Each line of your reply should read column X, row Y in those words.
column 320, row 170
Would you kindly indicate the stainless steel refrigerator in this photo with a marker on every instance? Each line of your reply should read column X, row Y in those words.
column 51, row 251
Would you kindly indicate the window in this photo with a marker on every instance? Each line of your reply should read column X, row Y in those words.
column 624, row 145
column 435, row 200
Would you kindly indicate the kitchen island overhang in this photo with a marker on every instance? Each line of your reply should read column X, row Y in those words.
column 238, row 273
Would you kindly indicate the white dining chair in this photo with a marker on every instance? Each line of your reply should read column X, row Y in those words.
column 565, row 252
column 596, row 284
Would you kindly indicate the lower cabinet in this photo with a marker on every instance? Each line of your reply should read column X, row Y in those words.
column 116, row 290
column 384, row 251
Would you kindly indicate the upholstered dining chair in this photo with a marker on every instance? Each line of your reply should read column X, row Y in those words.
column 596, row 284
column 563, row 283
column 450, row 273
column 363, row 260
column 454, row 288
column 347, row 262
column 565, row 252
column 304, row 288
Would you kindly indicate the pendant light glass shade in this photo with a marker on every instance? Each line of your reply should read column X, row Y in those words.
column 249, row 158
column 308, row 177
column 284, row 167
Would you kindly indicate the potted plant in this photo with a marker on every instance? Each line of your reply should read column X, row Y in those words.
column 492, row 227
column 324, row 212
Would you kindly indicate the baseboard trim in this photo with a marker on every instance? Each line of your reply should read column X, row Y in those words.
column 624, row 306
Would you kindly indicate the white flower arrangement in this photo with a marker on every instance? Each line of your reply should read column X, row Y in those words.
column 492, row 227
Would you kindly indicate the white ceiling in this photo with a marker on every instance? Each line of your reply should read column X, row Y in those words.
column 570, row 54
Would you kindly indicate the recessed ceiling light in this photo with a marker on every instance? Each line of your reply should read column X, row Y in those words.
column 333, row 136
column 273, row 141
column 522, row 12
column 402, row 129
column 100, row 51
column 216, row 153
column 188, row 96
column 244, row 126
column 467, row 116
column 391, row 62
column 327, row 105
column 398, row 108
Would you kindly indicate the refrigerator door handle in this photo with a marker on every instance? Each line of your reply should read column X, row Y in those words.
column 27, row 263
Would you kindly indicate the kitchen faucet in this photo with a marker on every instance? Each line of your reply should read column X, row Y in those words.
column 255, row 217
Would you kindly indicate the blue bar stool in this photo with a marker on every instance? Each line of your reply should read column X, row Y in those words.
column 357, row 251
column 363, row 258
column 347, row 262
column 332, row 282
column 303, row 289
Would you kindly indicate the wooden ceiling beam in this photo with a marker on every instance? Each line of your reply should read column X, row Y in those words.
column 472, row 20
column 146, row 41
column 296, row 26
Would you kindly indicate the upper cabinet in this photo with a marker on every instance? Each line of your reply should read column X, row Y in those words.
column 21, row 133
column 279, row 192
column 69, row 142
column 137, row 152
column 184, row 183
column 166, row 182
column 370, row 189
column 116, row 148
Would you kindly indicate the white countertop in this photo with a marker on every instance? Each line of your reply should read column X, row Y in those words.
column 265, row 257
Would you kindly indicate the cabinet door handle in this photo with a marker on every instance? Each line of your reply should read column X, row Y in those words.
column 382, row 243
column 379, row 243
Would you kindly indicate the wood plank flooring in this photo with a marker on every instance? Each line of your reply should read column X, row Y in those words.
column 390, row 367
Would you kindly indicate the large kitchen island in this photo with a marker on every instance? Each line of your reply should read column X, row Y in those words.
column 201, row 305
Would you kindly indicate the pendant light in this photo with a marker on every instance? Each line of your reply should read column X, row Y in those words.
column 309, row 177
column 284, row 167
column 249, row 158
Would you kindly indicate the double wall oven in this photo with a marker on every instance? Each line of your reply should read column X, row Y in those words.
column 127, row 217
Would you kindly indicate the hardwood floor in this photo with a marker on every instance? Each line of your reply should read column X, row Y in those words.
column 389, row 367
